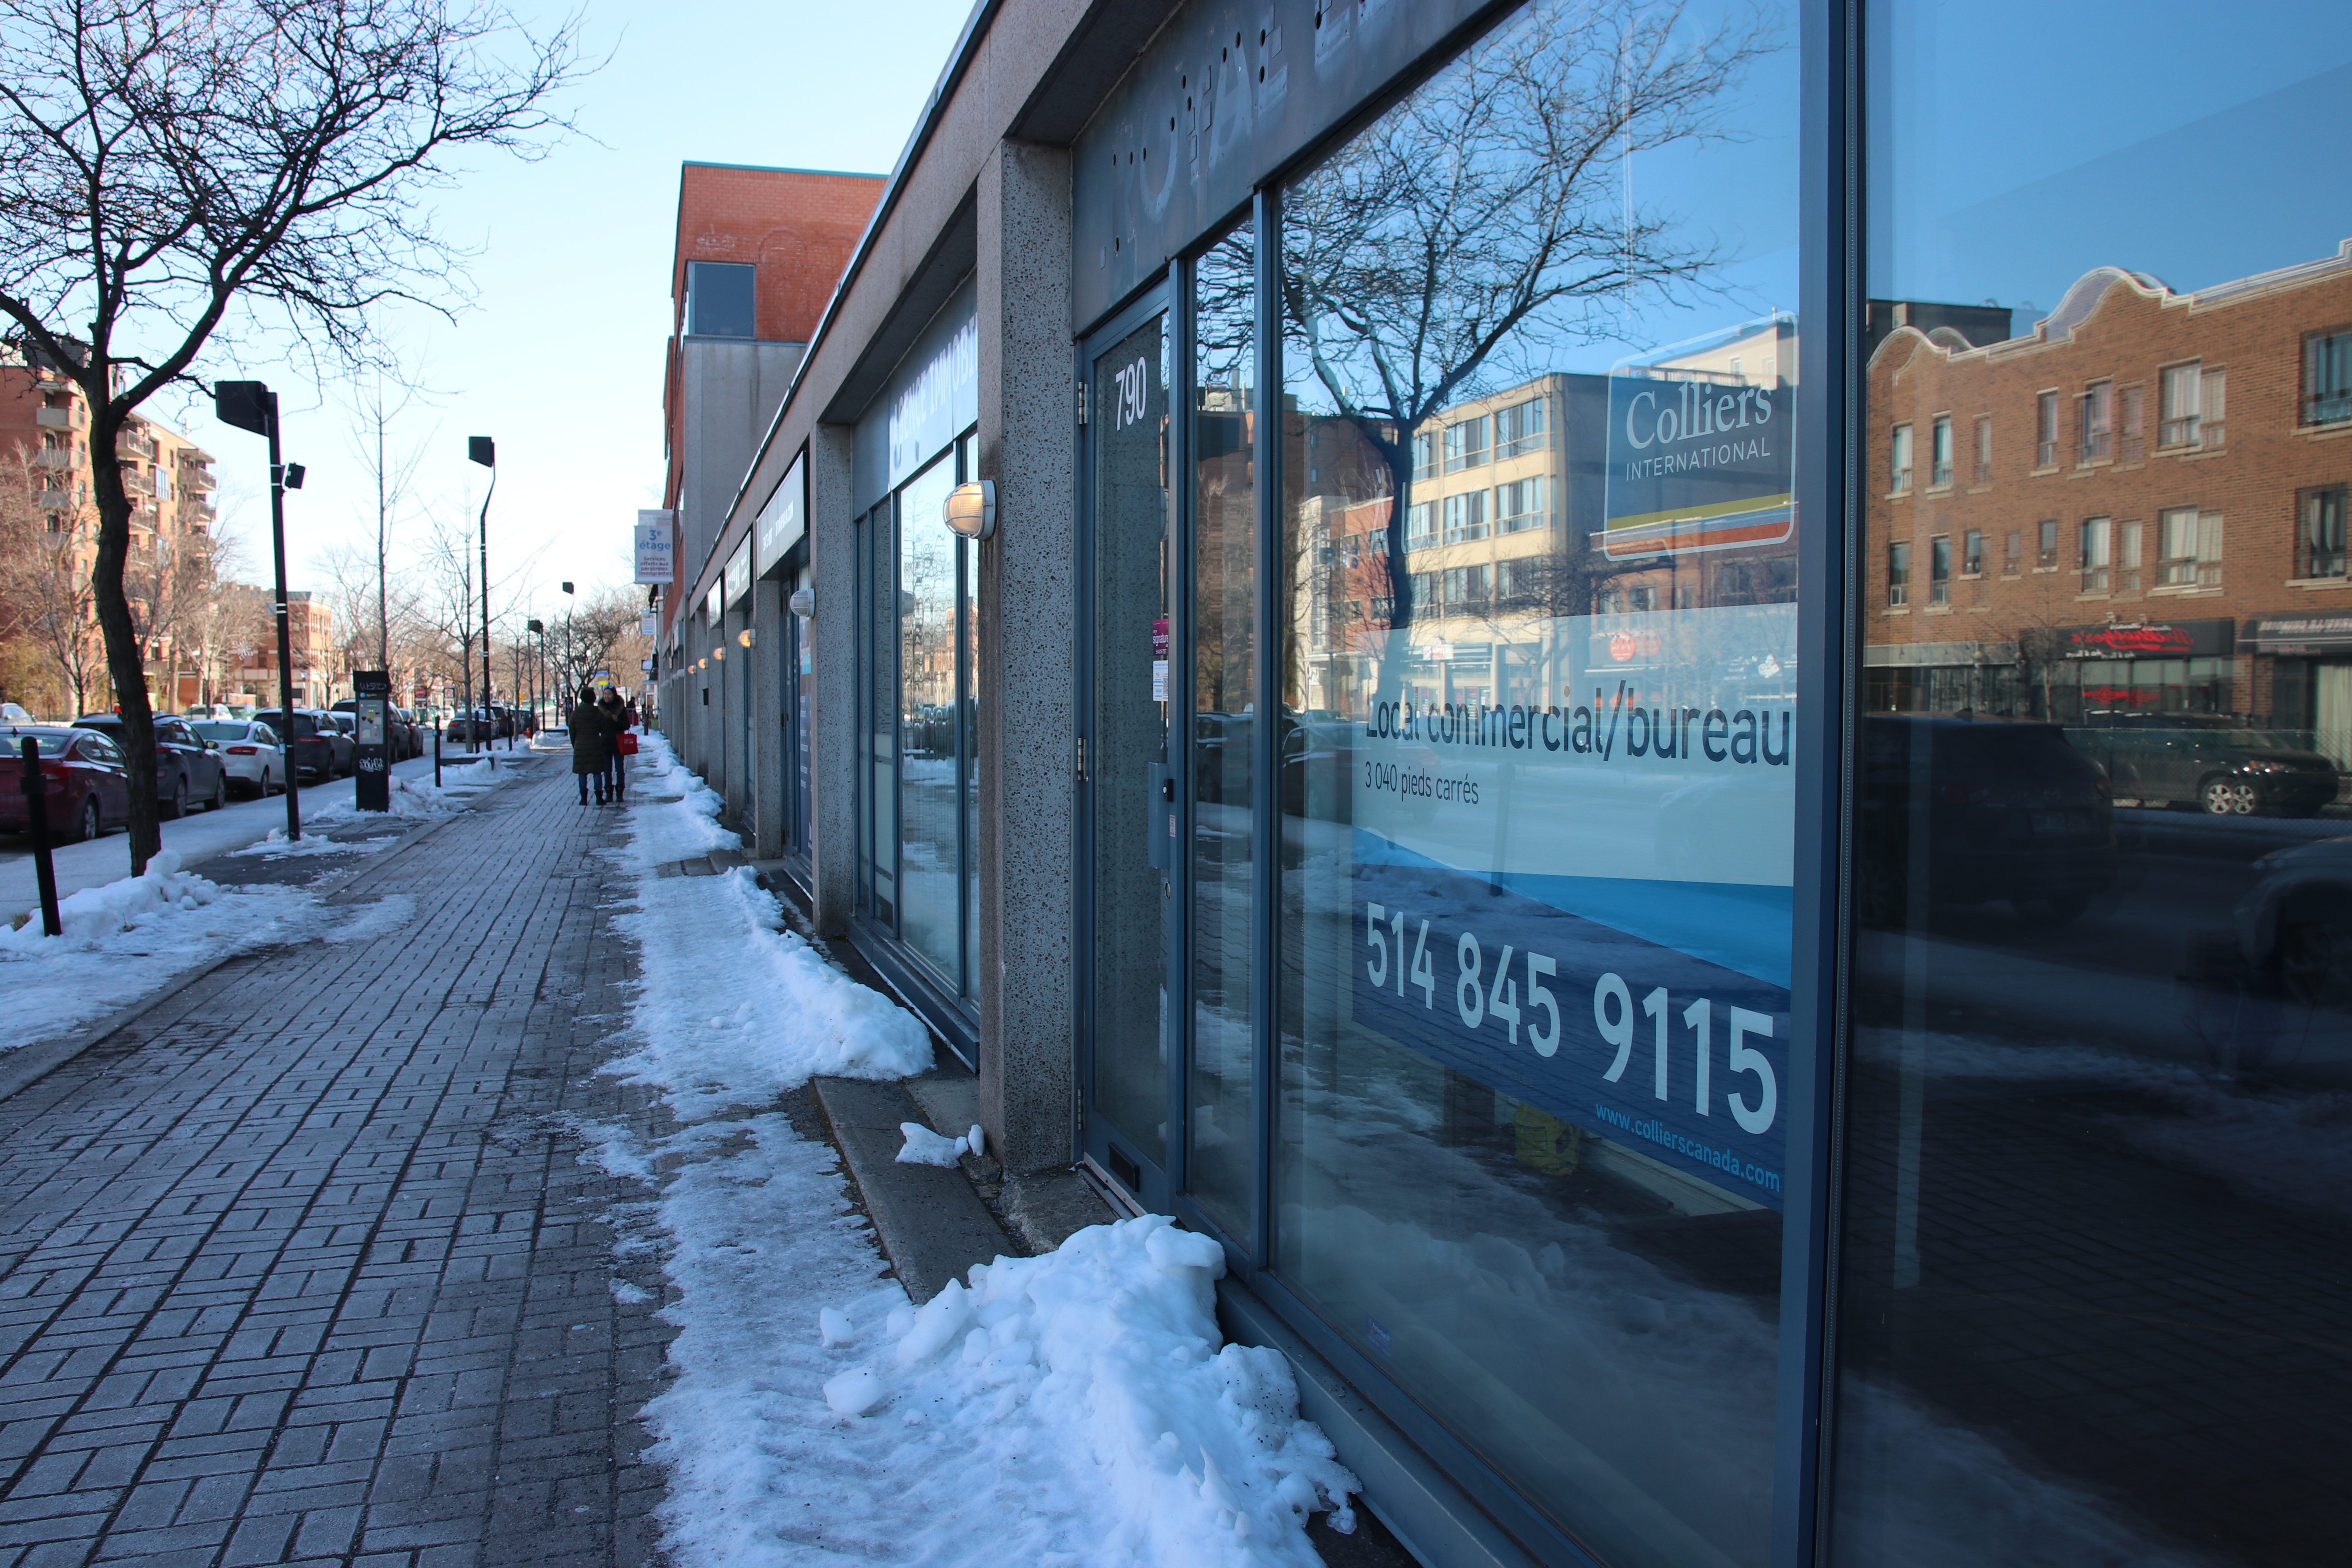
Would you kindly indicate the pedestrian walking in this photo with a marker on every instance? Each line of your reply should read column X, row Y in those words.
column 617, row 720
column 592, row 744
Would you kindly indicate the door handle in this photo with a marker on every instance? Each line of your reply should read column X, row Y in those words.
column 1160, row 817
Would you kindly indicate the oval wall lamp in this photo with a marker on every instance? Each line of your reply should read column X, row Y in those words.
column 803, row 603
column 972, row 509
column 719, row 652
column 747, row 636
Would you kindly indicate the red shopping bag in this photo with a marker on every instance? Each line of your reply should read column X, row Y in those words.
column 628, row 744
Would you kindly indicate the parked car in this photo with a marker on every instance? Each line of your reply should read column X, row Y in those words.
column 11, row 714
column 188, row 770
column 400, row 742
column 85, row 789
column 312, row 742
column 2009, row 810
column 249, row 754
column 205, row 712
column 2295, row 924
column 495, row 724
column 2220, row 764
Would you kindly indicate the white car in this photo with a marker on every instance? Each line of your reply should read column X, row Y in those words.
column 10, row 714
column 249, row 754
column 202, row 710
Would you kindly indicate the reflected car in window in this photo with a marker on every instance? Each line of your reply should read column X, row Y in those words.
column 2007, row 810
column 2220, row 764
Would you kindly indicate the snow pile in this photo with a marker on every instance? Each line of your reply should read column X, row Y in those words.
column 924, row 1147
column 412, row 800
column 95, row 913
column 737, row 1004
column 1108, row 1349
column 1075, row 1409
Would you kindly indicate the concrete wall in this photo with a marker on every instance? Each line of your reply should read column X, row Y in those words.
column 769, row 762
column 729, row 388
column 833, row 747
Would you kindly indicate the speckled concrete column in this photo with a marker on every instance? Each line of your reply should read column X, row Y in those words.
column 832, row 654
column 1027, row 659
column 766, row 798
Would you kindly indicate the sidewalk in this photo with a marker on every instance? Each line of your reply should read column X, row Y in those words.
column 301, row 1266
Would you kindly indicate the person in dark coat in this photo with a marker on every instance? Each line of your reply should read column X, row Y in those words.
column 592, row 743
column 616, row 716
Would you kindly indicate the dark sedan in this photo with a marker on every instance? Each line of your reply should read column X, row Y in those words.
column 189, row 770
column 320, row 750
column 86, row 791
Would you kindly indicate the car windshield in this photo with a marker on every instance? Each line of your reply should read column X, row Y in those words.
column 221, row 730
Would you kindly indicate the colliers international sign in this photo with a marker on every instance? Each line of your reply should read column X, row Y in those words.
column 1701, row 445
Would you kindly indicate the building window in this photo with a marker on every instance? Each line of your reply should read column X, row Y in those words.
column 1519, row 505
column 2045, row 431
column 1424, row 455
column 1468, row 586
column 1940, row 569
column 719, row 299
column 2327, row 378
column 1417, row 525
column 2045, row 556
column 1939, row 453
column 1972, row 554
column 1520, row 429
column 2127, row 561
column 2097, row 541
column 2188, row 548
column 1466, row 445
column 2320, row 541
column 1466, row 517
column 2013, row 553
column 1898, row 573
column 2133, row 444
column 2098, row 423
column 1898, row 463
column 2182, row 408
column 1984, row 449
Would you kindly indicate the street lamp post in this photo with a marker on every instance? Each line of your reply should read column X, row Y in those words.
column 537, row 675
column 251, row 405
column 484, row 451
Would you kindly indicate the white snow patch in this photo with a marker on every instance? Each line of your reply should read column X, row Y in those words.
column 368, row 921
column 924, row 1147
column 1077, row 1408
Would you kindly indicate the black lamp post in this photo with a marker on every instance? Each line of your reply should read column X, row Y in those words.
column 484, row 451
column 251, row 405
column 537, row 675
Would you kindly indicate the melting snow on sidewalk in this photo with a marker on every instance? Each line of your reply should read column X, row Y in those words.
column 1076, row 1408
column 124, row 940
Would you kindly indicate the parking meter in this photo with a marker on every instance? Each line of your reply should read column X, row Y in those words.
column 371, row 741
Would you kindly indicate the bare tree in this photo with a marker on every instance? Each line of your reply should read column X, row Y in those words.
column 169, row 168
column 392, row 475
column 1483, row 220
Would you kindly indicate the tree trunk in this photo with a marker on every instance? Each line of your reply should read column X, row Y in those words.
column 123, row 659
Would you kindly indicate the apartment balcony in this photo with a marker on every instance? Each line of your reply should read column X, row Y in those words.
column 131, row 444
column 66, row 418
column 56, row 457
column 137, row 483
column 57, row 501
column 197, row 476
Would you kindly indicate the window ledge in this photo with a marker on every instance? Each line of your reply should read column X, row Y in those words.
column 1896, row 610
column 2325, row 432
column 2318, row 584
column 2184, row 591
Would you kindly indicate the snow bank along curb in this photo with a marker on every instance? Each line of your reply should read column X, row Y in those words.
column 1075, row 1408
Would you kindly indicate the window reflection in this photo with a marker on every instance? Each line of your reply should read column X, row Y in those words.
column 930, row 860
column 1538, row 681
column 2096, row 1195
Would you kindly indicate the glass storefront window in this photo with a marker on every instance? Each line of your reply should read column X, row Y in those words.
column 2090, row 1302
column 1535, row 802
column 1225, row 647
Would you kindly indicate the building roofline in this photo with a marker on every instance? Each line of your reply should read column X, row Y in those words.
column 684, row 163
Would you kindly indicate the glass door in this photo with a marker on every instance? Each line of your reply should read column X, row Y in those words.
column 1129, row 793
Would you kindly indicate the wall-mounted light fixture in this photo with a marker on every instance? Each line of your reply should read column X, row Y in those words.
column 802, row 603
column 747, row 636
column 972, row 509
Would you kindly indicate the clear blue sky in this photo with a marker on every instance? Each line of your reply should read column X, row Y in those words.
column 561, row 360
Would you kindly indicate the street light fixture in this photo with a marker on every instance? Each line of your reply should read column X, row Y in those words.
column 483, row 450
column 251, row 405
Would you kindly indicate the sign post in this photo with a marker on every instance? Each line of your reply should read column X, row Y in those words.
column 371, row 759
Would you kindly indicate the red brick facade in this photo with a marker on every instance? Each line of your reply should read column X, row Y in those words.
column 2172, row 504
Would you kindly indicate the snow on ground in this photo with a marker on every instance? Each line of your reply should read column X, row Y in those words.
column 1076, row 1408
column 411, row 801
column 124, row 940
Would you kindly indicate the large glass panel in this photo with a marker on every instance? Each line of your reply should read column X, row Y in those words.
column 969, row 742
column 1219, row 1089
column 2095, row 1306
column 1537, row 708
column 1130, row 791
column 878, row 680
column 931, row 792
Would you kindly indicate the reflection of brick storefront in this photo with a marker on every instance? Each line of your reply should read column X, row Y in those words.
column 2130, row 495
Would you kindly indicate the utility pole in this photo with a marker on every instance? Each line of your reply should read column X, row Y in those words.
column 251, row 405
column 484, row 451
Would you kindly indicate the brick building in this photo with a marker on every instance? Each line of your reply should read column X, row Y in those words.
column 757, row 255
column 2140, row 507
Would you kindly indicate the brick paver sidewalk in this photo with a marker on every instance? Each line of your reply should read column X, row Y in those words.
column 301, row 1268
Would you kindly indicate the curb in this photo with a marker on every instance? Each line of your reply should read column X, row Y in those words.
column 27, row 1065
